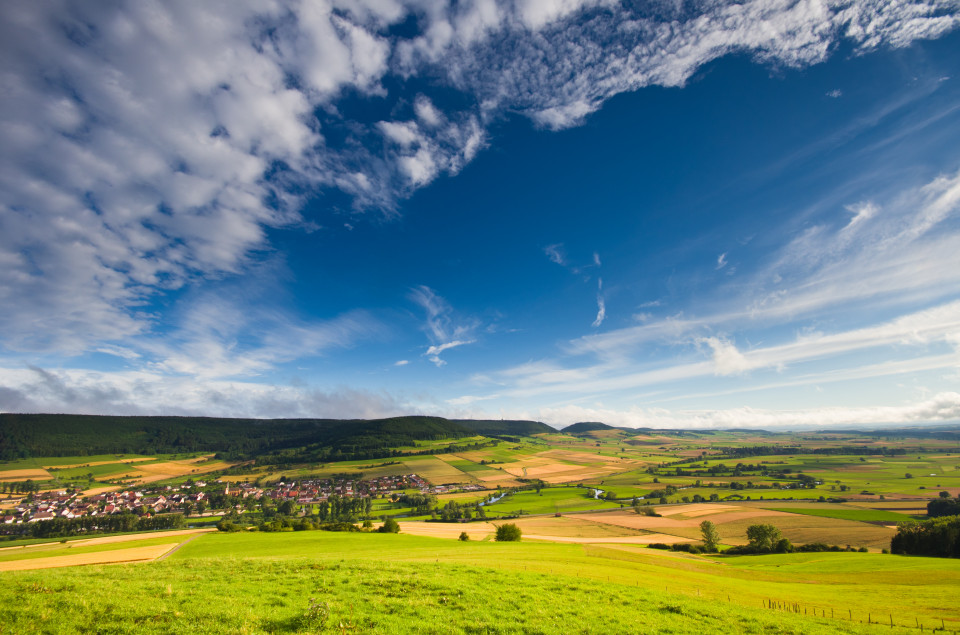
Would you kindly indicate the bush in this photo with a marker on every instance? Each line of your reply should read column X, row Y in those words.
column 658, row 545
column 508, row 533
column 463, row 537
column 686, row 547
column 646, row 510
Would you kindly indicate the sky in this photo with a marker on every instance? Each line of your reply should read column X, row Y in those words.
column 652, row 214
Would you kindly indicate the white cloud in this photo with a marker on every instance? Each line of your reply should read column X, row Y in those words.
column 402, row 362
column 601, row 305
column 721, row 261
column 942, row 407
column 433, row 352
column 555, row 254
column 444, row 327
column 155, row 145
column 149, row 393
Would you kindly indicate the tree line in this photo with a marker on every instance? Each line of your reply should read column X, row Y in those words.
column 109, row 524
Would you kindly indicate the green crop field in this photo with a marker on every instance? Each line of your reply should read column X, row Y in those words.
column 550, row 500
column 862, row 515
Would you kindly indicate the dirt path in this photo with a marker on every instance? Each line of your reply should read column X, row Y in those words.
column 177, row 548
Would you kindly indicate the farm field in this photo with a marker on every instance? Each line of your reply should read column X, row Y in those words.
column 549, row 501
column 99, row 473
column 732, row 520
column 101, row 550
column 384, row 583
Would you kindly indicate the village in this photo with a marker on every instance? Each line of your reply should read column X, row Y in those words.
column 200, row 498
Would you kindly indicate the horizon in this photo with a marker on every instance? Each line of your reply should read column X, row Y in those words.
column 689, row 218
column 922, row 426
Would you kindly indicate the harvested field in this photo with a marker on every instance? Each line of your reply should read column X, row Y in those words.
column 22, row 475
column 581, row 457
column 537, row 529
column 436, row 471
column 696, row 509
column 476, row 531
column 732, row 526
column 565, row 526
column 134, row 554
column 93, row 463
column 153, row 472
column 645, row 539
column 566, row 466
column 673, row 522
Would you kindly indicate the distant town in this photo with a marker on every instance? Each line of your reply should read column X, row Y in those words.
column 215, row 497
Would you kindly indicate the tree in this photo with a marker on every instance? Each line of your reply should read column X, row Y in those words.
column 763, row 538
column 463, row 537
column 508, row 533
column 711, row 538
column 390, row 526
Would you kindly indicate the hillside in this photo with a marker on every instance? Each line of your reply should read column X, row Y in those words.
column 586, row 426
column 490, row 427
column 45, row 435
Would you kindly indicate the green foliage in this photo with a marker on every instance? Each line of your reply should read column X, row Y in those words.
column 507, row 532
column 113, row 523
column 390, row 526
column 939, row 507
column 938, row 537
column 763, row 538
column 711, row 537
column 317, row 615
column 271, row 441
column 463, row 537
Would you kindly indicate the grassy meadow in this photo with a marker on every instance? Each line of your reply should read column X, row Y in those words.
column 373, row 583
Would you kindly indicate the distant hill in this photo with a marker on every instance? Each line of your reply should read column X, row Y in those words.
column 38, row 435
column 488, row 427
column 586, row 426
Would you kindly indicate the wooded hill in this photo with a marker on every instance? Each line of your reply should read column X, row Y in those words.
column 39, row 435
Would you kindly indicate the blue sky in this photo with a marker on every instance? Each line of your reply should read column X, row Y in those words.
column 714, row 215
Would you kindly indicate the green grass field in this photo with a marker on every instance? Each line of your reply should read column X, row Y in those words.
column 862, row 515
column 550, row 500
column 374, row 583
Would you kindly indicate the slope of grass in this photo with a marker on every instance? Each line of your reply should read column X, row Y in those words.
column 307, row 595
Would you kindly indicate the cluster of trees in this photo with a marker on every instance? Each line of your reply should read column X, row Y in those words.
column 421, row 504
column 306, row 523
column 763, row 539
column 943, row 506
column 336, row 508
column 113, row 523
column 454, row 512
column 28, row 486
column 939, row 537
column 772, row 450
